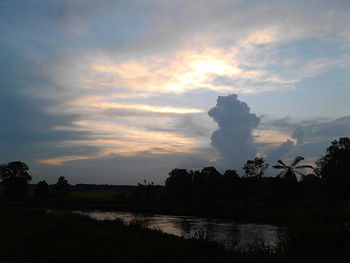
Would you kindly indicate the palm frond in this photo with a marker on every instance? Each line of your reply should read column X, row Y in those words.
column 279, row 167
column 304, row 166
column 282, row 163
column 297, row 160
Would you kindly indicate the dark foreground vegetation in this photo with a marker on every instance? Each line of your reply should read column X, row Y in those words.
column 63, row 237
column 314, row 210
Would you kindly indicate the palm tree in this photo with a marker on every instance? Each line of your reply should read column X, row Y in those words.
column 290, row 171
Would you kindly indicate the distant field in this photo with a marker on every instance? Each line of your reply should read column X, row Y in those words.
column 99, row 195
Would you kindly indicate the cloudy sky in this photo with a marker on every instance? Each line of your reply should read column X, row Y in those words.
column 121, row 91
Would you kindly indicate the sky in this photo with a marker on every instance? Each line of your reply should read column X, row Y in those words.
column 118, row 92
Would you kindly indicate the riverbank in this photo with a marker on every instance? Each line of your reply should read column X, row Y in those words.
column 39, row 237
column 35, row 236
column 256, row 214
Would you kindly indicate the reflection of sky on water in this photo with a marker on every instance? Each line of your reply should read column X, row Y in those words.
column 228, row 233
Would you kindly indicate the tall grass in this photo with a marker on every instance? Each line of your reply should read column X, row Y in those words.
column 41, row 237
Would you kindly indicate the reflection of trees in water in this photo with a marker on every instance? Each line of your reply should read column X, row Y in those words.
column 256, row 238
column 185, row 225
column 227, row 233
column 233, row 237
column 199, row 232
column 202, row 230
column 142, row 222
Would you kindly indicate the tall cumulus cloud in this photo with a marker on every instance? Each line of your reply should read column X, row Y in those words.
column 233, row 139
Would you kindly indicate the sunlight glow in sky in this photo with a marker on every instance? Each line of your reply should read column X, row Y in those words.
column 127, row 85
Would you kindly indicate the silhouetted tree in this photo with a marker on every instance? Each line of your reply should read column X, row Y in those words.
column 15, row 177
column 290, row 171
column 230, row 180
column 178, row 178
column 288, row 187
column 255, row 168
column 311, row 188
column 211, row 174
column 61, row 188
column 210, row 180
column 310, row 179
column 230, row 176
column 179, row 183
column 334, row 169
column 145, row 191
column 41, row 189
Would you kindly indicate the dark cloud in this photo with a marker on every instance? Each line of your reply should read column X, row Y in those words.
column 233, row 139
column 318, row 136
column 279, row 152
column 313, row 136
column 191, row 125
column 315, row 128
column 313, row 150
column 299, row 134
column 336, row 128
column 194, row 125
column 27, row 130
column 27, row 127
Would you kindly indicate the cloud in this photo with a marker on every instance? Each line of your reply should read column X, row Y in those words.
column 311, row 137
column 269, row 135
column 116, row 169
column 313, row 129
column 234, row 138
column 112, row 138
column 26, row 127
column 102, row 106
column 279, row 152
column 317, row 135
column 92, row 80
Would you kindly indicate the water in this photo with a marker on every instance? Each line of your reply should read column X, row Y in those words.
column 228, row 233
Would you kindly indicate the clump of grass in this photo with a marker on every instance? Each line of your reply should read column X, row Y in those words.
column 316, row 238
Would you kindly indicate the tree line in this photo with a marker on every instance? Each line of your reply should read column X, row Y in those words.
column 14, row 178
column 328, row 182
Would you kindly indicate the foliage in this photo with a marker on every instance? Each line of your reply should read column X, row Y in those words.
column 178, row 179
column 62, row 187
column 15, row 177
column 255, row 168
column 145, row 191
column 230, row 180
column 41, row 189
column 179, row 184
column 290, row 171
column 334, row 169
column 206, row 185
column 209, row 186
column 324, row 239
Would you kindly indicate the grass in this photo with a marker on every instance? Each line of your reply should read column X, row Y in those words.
column 36, row 236
column 111, row 201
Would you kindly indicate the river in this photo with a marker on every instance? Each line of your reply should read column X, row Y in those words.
column 228, row 233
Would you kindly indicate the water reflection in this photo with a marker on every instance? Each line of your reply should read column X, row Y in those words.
column 228, row 233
